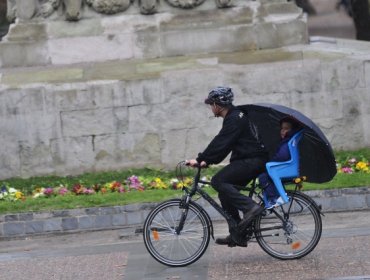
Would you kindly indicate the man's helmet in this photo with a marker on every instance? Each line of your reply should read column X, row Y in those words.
column 221, row 96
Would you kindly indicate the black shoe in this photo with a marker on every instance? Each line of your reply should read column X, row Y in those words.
column 225, row 241
column 230, row 242
column 249, row 216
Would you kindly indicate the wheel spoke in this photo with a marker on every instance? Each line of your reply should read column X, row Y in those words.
column 299, row 234
column 168, row 247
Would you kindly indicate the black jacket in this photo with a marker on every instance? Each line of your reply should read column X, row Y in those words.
column 238, row 136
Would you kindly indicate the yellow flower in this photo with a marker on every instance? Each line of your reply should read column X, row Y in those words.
column 362, row 166
column 18, row 195
column 159, row 184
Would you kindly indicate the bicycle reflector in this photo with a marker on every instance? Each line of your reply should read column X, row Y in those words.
column 155, row 234
column 296, row 245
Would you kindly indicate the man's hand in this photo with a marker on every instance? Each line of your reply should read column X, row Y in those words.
column 194, row 163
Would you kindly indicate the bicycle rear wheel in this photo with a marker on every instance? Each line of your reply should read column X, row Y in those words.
column 295, row 234
column 162, row 240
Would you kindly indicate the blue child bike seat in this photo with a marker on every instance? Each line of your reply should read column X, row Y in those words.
column 284, row 170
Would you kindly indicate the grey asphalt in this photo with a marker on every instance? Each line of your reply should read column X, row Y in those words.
column 342, row 253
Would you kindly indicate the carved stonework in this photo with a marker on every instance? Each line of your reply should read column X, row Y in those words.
column 224, row 3
column 109, row 6
column 74, row 9
column 185, row 4
column 148, row 7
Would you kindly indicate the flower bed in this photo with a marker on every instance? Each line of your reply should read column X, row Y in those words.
column 349, row 165
column 132, row 183
column 353, row 165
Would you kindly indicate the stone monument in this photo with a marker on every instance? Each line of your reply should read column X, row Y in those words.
column 63, row 32
column 92, row 85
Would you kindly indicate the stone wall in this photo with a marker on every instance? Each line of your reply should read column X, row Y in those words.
column 127, row 91
column 112, row 115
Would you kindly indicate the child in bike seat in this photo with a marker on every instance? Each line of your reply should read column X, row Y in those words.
column 288, row 127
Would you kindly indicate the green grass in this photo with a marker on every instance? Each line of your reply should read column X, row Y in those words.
column 86, row 201
column 108, row 199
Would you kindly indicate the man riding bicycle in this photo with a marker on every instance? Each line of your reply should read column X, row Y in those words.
column 239, row 136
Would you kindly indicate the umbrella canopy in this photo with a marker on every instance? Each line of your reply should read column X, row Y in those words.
column 317, row 161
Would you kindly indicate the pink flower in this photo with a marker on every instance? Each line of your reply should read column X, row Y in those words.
column 48, row 192
column 347, row 170
column 63, row 191
column 134, row 183
column 88, row 191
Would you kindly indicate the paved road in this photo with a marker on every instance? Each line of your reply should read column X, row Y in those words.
column 343, row 253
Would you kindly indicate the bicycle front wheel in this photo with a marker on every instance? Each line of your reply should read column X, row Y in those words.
column 165, row 244
column 292, row 231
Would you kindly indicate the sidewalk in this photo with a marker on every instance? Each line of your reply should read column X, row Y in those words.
column 132, row 216
column 342, row 254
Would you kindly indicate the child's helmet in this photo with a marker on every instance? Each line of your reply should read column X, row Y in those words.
column 221, row 96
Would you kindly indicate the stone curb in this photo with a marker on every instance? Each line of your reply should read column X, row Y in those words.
column 133, row 215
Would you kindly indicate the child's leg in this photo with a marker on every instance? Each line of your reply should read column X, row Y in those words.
column 268, row 186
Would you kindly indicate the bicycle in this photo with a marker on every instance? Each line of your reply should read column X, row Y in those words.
column 177, row 232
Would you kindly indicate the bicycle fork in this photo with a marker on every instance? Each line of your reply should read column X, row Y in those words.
column 185, row 208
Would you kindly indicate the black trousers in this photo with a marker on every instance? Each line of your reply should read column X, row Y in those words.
column 229, row 181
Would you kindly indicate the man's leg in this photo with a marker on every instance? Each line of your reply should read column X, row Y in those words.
column 226, row 182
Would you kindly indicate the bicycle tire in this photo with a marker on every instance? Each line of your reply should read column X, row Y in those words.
column 297, row 236
column 168, row 247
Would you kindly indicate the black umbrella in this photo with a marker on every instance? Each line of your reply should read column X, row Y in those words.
column 317, row 161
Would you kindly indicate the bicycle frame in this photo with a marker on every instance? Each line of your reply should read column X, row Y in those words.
column 195, row 189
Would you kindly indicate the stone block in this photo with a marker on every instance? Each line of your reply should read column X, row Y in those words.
column 11, row 217
column 70, row 223
column 33, row 227
column 132, row 207
column 342, row 73
column 338, row 203
column 16, row 54
column 211, row 19
column 24, row 32
column 117, row 46
column 25, row 216
column 103, row 221
column 84, row 28
column 277, row 7
column 325, row 203
column 42, row 215
column 134, row 218
column 294, row 32
column 72, row 161
column 138, row 92
column 61, row 213
column 92, row 211
column 356, row 201
column 119, row 219
column 53, row 225
column 42, row 76
column 86, row 222
column 13, row 229
column 94, row 121
column 108, row 210
column 234, row 38
column 119, row 150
